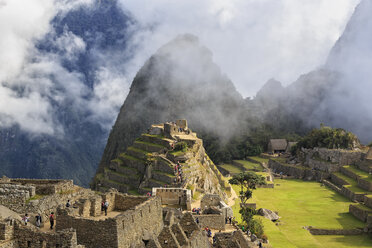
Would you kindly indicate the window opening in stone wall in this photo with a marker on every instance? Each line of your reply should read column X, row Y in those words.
column 141, row 213
column 28, row 243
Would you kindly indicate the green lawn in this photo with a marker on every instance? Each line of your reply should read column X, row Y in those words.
column 249, row 165
column 366, row 176
column 353, row 184
column 300, row 204
column 259, row 159
column 231, row 168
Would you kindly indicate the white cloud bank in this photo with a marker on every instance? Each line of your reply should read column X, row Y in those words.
column 252, row 41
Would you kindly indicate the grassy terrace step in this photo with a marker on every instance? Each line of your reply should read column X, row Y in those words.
column 231, row 168
column 129, row 157
column 352, row 184
column 122, row 174
column 249, row 165
column 164, row 173
column 259, row 159
column 157, row 183
column 149, row 144
column 362, row 174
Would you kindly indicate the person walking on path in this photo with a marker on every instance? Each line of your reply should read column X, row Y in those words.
column 38, row 220
column 68, row 204
column 51, row 220
column 106, row 207
column 25, row 219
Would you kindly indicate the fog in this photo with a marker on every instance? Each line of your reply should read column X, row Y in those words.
column 251, row 41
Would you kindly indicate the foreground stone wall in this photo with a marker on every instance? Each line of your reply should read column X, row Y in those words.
column 142, row 220
column 12, row 195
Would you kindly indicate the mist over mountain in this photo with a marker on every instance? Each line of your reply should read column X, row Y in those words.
column 338, row 93
column 180, row 81
column 75, row 70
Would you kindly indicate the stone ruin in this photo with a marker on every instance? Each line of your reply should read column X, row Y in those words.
column 152, row 160
column 214, row 212
column 177, row 197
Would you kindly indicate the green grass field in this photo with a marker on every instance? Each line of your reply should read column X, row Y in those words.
column 249, row 165
column 300, row 204
column 231, row 168
column 259, row 159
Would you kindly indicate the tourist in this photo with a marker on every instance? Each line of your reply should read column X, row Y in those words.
column 106, row 206
column 38, row 220
column 260, row 245
column 243, row 228
column 230, row 220
column 102, row 206
column 51, row 220
column 197, row 220
column 226, row 219
column 68, row 204
column 26, row 219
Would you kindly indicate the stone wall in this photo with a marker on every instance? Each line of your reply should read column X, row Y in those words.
column 368, row 200
column 174, row 196
column 215, row 221
column 28, row 236
column 46, row 186
column 359, row 213
column 317, row 231
column 297, row 171
column 6, row 230
column 334, row 156
column 12, row 195
column 210, row 200
column 141, row 220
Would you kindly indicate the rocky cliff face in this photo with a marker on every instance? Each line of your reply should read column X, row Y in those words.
column 168, row 154
column 180, row 81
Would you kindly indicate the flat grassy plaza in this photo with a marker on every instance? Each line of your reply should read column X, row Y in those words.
column 299, row 204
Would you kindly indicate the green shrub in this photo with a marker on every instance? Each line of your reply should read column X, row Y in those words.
column 327, row 137
column 181, row 146
column 256, row 227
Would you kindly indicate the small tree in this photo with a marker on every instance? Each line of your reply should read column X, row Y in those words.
column 247, row 182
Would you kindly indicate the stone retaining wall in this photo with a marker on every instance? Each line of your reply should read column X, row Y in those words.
column 318, row 231
column 368, row 200
column 297, row 172
column 333, row 156
column 338, row 181
column 46, row 186
column 359, row 213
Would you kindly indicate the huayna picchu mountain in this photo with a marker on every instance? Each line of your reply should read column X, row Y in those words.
column 168, row 154
column 179, row 81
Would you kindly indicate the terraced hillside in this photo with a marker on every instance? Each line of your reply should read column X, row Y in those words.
column 167, row 155
column 355, row 182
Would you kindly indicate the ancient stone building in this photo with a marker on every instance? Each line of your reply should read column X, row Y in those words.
column 277, row 146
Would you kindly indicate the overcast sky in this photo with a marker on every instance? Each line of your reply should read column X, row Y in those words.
column 252, row 41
